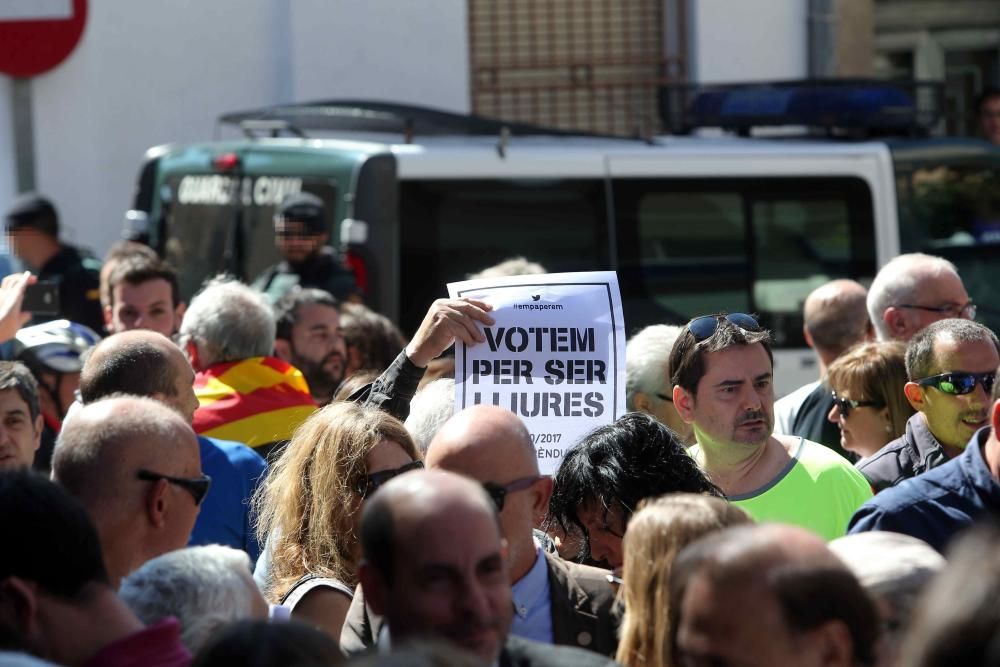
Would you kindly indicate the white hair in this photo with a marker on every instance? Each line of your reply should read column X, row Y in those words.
column 898, row 282
column 647, row 355
column 229, row 321
column 430, row 408
column 514, row 266
column 205, row 587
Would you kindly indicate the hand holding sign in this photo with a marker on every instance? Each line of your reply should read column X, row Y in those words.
column 446, row 321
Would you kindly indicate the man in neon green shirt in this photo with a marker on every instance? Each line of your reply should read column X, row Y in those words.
column 723, row 386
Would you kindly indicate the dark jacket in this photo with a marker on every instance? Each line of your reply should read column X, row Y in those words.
column 323, row 270
column 582, row 602
column 79, row 279
column 939, row 504
column 916, row 452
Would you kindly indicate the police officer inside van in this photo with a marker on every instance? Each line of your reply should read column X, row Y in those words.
column 301, row 236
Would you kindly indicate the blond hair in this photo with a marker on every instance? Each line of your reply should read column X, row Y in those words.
column 310, row 502
column 875, row 372
column 656, row 533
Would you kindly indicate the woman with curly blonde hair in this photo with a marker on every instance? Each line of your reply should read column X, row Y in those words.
column 309, row 508
column 656, row 533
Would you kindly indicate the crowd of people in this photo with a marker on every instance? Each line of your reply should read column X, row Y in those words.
column 275, row 475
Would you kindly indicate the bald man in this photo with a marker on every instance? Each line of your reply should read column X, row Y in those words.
column 835, row 318
column 146, row 363
column 434, row 564
column 555, row 601
column 770, row 595
column 134, row 465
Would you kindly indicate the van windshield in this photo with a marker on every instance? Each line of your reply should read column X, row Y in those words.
column 949, row 206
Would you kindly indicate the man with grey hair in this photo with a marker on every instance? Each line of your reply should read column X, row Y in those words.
column 913, row 291
column 647, row 378
column 245, row 394
column 204, row 588
column 134, row 464
column 430, row 408
column 950, row 366
column 894, row 569
column 834, row 318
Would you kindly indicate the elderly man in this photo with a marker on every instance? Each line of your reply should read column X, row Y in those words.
column 950, row 365
column 245, row 394
column 434, row 564
column 834, row 319
column 134, row 465
column 769, row 595
column 723, row 371
column 146, row 363
column 20, row 416
column 56, row 600
column 647, row 377
column 205, row 588
column 914, row 290
column 308, row 337
column 942, row 502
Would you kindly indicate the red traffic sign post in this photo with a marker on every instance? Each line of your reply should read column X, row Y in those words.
column 37, row 36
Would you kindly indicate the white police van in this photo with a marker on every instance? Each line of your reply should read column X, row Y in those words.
column 692, row 225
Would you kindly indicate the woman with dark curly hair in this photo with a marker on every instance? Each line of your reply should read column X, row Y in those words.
column 602, row 479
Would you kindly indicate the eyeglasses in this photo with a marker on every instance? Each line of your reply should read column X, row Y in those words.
column 703, row 328
column 958, row 383
column 196, row 486
column 966, row 310
column 664, row 397
column 845, row 405
column 370, row 483
column 498, row 492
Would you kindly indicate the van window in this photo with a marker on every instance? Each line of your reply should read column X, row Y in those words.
column 449, row 229
column 224, row 224
column 951, row 208
column 690, row 247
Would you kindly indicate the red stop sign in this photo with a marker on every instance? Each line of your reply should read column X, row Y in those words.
column 31, row 45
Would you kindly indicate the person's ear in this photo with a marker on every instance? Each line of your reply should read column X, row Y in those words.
column 179, row 311
column 684, row 404
column 374, row 587
column 39, row 427
column 191, row 350
column 283, row 349
column 914, row 394
column 808, row 336
column 641, row 402
column 18, row 606
column 896, row 321
column 833, row 644
column 995, row 417
column 542, row 492
column 157, row 503
column 108, row 317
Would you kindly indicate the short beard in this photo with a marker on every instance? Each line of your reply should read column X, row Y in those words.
column 321, row 382
column 753, row 416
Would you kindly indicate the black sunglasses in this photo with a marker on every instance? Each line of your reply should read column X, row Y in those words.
column 196, row 486
column 703, row 328
column 498, row 492
column 958, row 383
column 845, row 405
column 368, row 484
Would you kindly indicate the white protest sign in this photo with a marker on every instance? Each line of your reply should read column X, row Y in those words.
column 555, row 356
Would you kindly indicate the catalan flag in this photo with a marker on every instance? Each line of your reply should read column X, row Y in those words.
column 258, row 401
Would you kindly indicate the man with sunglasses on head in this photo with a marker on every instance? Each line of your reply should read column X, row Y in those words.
column 950, row 366
column 723, row 385
column 134, row 465
column 915, row 290
column 960, row 399
column 555, row 601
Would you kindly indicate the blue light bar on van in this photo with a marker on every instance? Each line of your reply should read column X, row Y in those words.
column 878, row 107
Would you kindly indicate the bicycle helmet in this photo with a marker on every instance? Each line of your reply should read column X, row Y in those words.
column 55, row 347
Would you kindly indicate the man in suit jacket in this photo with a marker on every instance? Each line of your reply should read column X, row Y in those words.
column 555, row 601
column 434, row 563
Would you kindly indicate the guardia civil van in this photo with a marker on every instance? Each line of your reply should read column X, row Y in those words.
column 692, row 224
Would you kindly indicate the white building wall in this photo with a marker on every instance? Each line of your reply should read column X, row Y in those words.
column 748, row 40
column 150, row 73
